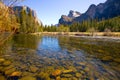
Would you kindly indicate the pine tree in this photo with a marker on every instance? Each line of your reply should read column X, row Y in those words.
column 23, row 16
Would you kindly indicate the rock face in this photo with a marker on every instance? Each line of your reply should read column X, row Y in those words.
column 109, row 9
column 106, row 10
column 27, row 9
column 65, row 20
column 68, row 19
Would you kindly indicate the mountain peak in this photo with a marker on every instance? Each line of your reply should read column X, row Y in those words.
column 106, row 10
column 73, row 14
column 68, row 19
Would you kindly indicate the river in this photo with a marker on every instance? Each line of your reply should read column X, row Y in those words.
column 59, row 58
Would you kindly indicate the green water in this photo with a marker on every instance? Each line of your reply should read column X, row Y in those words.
column 61, row 58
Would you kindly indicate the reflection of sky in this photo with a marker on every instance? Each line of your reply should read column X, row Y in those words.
column 49, row 43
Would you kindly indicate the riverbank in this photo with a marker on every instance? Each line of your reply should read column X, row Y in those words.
column 107, row 34
column 111, row 36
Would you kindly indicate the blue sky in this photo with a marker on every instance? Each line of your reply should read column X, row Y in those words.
column 50, row 11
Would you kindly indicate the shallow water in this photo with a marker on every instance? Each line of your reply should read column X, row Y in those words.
column 61, row 58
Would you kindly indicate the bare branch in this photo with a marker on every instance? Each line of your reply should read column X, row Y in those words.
column 11, row 2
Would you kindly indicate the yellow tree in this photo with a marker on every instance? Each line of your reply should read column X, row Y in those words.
column 8, row 23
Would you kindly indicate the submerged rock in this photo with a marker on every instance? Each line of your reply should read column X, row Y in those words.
column 28, row 78
column 82, row 63
column 8, row 67
column 64, row 78
column 74, row 78
column 33, row 69
column 16, row 73
column 67, row 71
column 87, row 69
column 10, row 71
column 117, row 60
column 66, row 75
column 2, row 60
column 107, row 58
column 1, row 68
column 43, row 76
column 27, row 73
column 6, row 63
column 56, row 73
column 58, row 78
column 78, row 75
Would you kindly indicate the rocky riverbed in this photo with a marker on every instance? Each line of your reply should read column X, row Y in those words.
column 30, row 66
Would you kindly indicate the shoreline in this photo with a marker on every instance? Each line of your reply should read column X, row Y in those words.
column 114, row 36
column 117, row 34
column 103, row 34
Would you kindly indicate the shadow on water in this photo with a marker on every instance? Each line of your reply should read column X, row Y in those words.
column 62, row 57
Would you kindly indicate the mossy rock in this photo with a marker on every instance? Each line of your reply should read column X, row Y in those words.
column 28, row 78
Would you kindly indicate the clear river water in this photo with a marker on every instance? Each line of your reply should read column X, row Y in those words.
column 43, row 57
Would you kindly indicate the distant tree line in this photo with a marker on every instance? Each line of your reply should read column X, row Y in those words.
column 112, row 25
column 60, row 28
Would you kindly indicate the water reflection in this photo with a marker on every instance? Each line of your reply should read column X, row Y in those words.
column 26, row 41
column 49, row 43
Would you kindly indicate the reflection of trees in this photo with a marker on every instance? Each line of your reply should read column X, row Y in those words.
column 7, row 47
column 26, row 41
column 20, row 41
